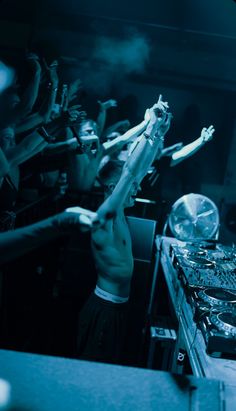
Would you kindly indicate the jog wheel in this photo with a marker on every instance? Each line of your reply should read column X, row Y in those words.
column 225, row 321
column 218, row 297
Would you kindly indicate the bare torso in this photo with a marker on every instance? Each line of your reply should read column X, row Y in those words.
column 82, row 170
column 112, row 250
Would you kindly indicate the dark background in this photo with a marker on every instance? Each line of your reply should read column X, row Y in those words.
column 132, row 51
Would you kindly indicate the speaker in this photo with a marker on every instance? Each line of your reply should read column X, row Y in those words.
column 143, row 233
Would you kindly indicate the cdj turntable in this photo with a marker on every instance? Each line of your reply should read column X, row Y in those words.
column 209, row 280
column 215, row 314
column 198, row 266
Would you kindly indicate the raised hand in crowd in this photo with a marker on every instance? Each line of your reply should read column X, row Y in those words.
column 74, row 89
column 105, row 105
column 102, row 115
column 140, row 159
column 52, row 72
column 191, row 148
column 75, row 114
column 33, row 61
column 43, row 115
column 207, row 134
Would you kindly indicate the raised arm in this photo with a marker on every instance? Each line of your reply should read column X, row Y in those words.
column 61, row 147
column 102, row 115
column 22, row 240
column 151, row 141
column 28, row 147
column 30, row 94
column 53, row 87
column 192, row 148
column 74, row 89
column 117, row 143
column 41, row 117
column 137, row 165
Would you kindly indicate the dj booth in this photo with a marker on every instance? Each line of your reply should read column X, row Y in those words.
column 201, row 284
column 189, row 300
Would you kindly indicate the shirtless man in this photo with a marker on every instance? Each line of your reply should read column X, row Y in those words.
column 102, row 323
column 83, row 167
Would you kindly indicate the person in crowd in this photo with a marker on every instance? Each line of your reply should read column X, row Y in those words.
column 84, row 166
column 103, row 319
column 102, row 115
column 175, row 154
column 43, row 115
column 13, row 110
column 13, row 107
column 15, row 154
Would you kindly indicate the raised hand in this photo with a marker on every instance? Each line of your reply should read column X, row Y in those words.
column 53, row 73
column 33, row 60
column 165, row 124
column 157, row 111
column 159, row 121
column 74, row 89
column 75, row 115
column 207, row 134
column 147, row 115
column 64, row 98
column 162, row 105
column 107, row 104
column 82, row 218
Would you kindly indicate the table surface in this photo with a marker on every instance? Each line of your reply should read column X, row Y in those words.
column 44, row 383
column 203, row 365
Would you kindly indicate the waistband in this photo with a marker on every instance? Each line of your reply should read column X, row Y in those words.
column 110, row 297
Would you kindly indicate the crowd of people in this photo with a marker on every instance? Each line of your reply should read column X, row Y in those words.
column 46, row 132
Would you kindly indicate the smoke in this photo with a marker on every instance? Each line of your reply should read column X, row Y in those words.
column 112, row 60
column 100, row 60
column 129, row 55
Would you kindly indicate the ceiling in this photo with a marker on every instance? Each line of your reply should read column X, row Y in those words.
column 189, row 41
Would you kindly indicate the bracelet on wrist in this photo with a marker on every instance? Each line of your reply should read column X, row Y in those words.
column 161, row 137
column 146, row 135
column 153, row 138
